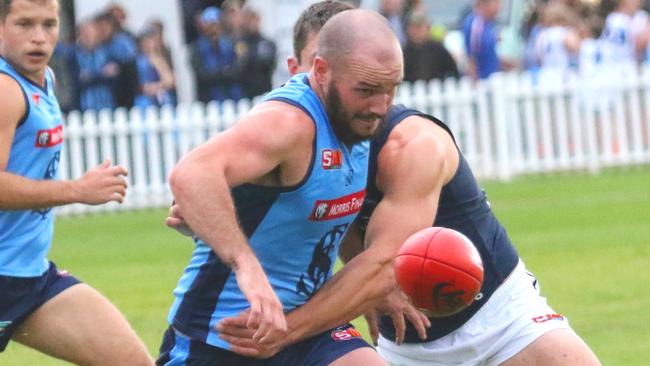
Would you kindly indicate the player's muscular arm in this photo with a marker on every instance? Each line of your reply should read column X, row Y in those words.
column 414, row 164
column 99, row 185
column 267, row 140
column 352, row 243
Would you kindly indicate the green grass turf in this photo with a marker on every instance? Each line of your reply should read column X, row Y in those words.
column 585, row 237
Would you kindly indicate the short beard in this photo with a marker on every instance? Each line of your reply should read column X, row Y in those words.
column 341, row 120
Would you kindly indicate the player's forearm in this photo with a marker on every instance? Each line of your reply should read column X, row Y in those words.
column 358, row 286
column 203, row 197
column 20, row 193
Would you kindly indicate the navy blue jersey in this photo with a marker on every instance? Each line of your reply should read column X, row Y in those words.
column 463, row 206
column 295, row 232
column 26, row 235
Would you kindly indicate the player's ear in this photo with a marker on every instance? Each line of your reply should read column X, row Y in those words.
column 320, row 69
column 293, row 65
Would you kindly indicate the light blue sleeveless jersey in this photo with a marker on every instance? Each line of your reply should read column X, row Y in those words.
column 295, row 231
column 26, row 235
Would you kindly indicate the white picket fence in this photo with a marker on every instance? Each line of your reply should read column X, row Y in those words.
column 509, row 125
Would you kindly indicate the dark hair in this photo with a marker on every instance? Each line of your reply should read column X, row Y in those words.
column 5, row 7
column 312, row 20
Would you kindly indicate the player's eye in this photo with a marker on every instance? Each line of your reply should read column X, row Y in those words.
column 365, row 91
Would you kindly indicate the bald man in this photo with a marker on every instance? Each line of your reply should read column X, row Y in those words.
column 418, row 178
column 270, row 199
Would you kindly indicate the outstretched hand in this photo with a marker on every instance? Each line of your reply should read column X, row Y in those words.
column 102, row 184
column 398, row 307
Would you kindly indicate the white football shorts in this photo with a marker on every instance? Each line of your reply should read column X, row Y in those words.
column 511, row 319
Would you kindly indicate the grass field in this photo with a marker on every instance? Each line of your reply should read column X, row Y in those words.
column 587, row 238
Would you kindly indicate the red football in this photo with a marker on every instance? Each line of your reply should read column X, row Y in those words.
column 440, row 270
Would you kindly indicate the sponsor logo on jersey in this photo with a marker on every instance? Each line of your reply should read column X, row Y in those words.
column 49, row 138
column 331, row 159
column 339, row 207
column 36, row 98
column 547, row 317
column 345, row 334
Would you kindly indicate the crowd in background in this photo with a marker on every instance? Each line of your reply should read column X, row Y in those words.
column 567, row 35
column 108, row 66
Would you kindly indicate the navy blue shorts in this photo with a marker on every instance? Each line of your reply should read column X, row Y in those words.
column 21, row 296
column 320, row 350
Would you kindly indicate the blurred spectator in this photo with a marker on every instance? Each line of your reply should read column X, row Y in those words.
column 393, row 10
column 481, row 37
column 558, row 42
column 232, row 21
column 530, row 30
column 626, row 31
column 158, row 28
column 155, row 75
column 424, row 58
column 593, row 50
column 191, row 10
column 216, row 66
column 119, row 17
column 97, row 72
column 123, row 50
column 63, row 64
column 258, row 54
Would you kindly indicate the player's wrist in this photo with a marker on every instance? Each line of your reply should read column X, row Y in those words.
column 71, row 192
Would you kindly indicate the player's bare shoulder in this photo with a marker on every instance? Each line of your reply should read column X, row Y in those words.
column 284, row 119
column 12, row 103
column 419, row 139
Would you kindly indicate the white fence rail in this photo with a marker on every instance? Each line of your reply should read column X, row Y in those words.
column 509, row 125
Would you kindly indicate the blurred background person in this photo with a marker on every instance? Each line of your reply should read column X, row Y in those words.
column 155, row 75
column 232, row 19
column 122, row 49
column 627, row 32
column 558, row 41
column 159, row 34
column 594, row 51
column 216, row 66
column 63, row 64
column 258, row 53
column 119, row 17
column 481, row 37
column 424, row 58
column 97, row 73
column 393, row 11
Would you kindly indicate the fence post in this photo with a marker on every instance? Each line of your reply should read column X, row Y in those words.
column 136, row 129
column 645, row 78
column 504, row 164
column 121, row 128
column 152, row 137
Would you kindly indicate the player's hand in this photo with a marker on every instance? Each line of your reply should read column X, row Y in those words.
column 372, row 318
column 398, row 307
column 102, row 184
column 175, row 221
column 266, row 314
column 234, row 331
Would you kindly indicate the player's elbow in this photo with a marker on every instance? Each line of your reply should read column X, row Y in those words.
column 183, row 178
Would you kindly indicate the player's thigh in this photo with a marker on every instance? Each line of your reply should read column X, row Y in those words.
column 360, row 356
column 560, row 347
column 81, row 326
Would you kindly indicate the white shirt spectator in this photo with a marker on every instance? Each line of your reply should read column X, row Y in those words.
column 621, row 31
column 551, row 49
